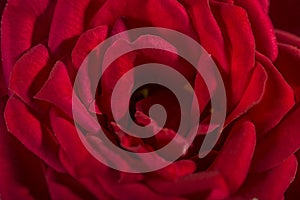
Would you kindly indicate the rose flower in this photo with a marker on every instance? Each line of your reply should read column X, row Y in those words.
column 43, row 46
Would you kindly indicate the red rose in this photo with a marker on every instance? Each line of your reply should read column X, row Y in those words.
column 43, row 44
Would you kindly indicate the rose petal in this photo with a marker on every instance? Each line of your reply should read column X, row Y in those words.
column 31, row 132
column 287, row 38
column 167, row 99
column 62, row 185
column 140, row 191
column 130, row 177
column 241, row 53
column 22, row 27
column 64, row 32
column 109, row 79
column 253, row 94
column 293, row 190
column 265, row 5
column 68, row 139
column 279, row 100
column 208, row 30
column 58, row 89
column 235, row 26
column 3, row 88
column 25, row 83
column 201, row 91
column 84, row 45
column 288, row 63
column 270, row 184
column 262, row 28
column 234, row 160
column 87, row 42
column 177, row 170
column 279, row 143
column 150, row 12
column 127, row 141
column 205, row 185
column 77, row 161
column 21, row 172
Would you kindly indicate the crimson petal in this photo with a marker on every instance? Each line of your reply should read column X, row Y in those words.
column 208, row 185
column 150, row 12
column 86, row 43
column 19, row 23
column 287, row 38
column 208, row 30
column 279, row 101
column 253, row 94
column 270, row 184
column 234, row 160
column 262, row 27
column 58, row 89
column 63, row 32
column 293, row 191
column 288, row 63
column 62, row 185
column 177, row 169
column 21, row 172
column 235, row 25
column 35, row 60
column 279, row 143
column 30, row 131
column 77, row 161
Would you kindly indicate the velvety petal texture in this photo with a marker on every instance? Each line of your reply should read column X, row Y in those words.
column 19, row 26
column 43, row 149
column 237, row 152
column 31, row 132
column 270, row 184
column 22, row 173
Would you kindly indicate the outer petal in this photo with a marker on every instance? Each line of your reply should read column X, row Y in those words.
column 203, row 185
column 235, row 26
column 288, row 38
column 208, row 31
column 253, row 94
column 277, row 100
column 21, row 172
column 30, row 131
column 293, row 191
column 25, row 83
column 140, row 191
column 265, row 5
column 177, row 170
column 262, row 27
column 87, row 42
column 288, row 63
column 22, row 27
column 63, row 186
column 3, row 86
column 58, row 92
column 64, row 32
column 58, row 89
column 279, row 143
column 234, row 160
column 270, row 184
column 77, row 161
column 149, row 12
